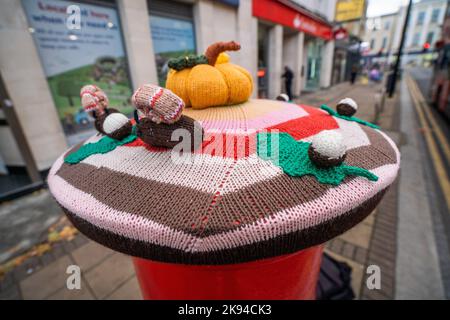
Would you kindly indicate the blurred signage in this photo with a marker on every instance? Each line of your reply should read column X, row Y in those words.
column 71, row 58
column 278, row 12
column 171, row 38
column 347, row 10
column 340, row 34
column 234, row 3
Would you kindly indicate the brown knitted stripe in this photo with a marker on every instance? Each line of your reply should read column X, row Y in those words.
column 283, row 244
column 175, row 206
column 380, row 143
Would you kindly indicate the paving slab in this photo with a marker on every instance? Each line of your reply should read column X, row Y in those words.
column 128, row 291
column 110, row 274
column 90, row 255
column 47, row 280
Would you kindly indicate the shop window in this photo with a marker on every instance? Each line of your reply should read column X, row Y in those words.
column 71, row 58
column 415, row 41
column 173, row 35
column 430, row 37
column 420, row 18
column 435, row 15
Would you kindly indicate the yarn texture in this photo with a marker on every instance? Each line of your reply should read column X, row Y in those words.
column 335, row 114
column 294, row 159
column 104, row 145
column 226, row 202
column 215, row 83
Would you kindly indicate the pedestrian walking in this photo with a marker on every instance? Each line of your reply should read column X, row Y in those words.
column 288, row 75
column 353, row 73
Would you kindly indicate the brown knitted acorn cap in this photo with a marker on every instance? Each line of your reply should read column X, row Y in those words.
column 158, row 104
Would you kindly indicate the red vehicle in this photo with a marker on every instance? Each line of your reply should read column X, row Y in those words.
column 440, row 86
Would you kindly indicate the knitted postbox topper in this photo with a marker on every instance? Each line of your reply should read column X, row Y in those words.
column 232, row 201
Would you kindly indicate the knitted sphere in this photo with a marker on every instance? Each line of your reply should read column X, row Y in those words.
column 158, row 104
column 117, row 126
column 283, row 97
column 327, row 149
column 347, row 107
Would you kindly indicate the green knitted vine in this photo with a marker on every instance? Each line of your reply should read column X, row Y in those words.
column 104, row 145
column 335, row 114
column 185, row 62
column 294, row 160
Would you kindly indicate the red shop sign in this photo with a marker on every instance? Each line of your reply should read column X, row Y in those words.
column 340, row 34
column 274, row 11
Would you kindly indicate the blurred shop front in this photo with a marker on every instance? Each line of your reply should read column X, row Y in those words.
column 49, row 49
column 291, row 35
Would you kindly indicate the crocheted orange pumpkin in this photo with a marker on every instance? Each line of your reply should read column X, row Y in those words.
column 210, row 79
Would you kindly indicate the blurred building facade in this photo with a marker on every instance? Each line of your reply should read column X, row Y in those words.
column 348, row 33
column 45, row 58
column 383, row 33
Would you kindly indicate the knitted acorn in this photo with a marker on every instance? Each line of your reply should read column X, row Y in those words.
column 327, row 149
column 210, row 79
column 108, row 121
column 159, row 113
column 283, row 97
column 347, row 107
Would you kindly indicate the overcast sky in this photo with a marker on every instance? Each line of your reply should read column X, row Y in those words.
column 380, row 7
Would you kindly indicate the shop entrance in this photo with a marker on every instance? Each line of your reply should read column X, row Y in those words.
column 263, row 60
column 18, row 171
column 314, row 61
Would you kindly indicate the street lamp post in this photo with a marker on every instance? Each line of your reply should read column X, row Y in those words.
column 399, row 54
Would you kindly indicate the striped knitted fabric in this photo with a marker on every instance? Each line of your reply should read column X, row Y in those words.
column 227, row 205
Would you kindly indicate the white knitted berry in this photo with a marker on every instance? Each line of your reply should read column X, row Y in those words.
column 283, row 97
column 114, row 122
column 329, row 143
column 349, row 101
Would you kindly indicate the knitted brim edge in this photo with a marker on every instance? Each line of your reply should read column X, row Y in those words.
column 280, row 245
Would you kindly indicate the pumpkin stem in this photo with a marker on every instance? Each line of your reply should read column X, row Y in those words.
column 213, row 51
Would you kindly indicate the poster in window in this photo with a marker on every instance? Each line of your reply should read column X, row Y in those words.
column 171, row 38
column 72, row 58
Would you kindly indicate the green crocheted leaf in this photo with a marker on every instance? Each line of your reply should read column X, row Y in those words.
column 104, row 145
column 337, row 115
column 185, row 62
column 294, row 160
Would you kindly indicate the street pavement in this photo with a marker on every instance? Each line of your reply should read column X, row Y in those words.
column 404, row 236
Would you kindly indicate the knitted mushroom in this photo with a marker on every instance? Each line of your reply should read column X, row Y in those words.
column 347, row 107
column 159, row 113
column 108, row 121
column 327, row 149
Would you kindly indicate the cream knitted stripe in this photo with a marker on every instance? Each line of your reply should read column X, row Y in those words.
column 158, row 166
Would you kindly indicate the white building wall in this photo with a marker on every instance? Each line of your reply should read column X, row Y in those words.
column 293, row 57
column 138, row 41
column 27, row 86
column 327, row 64
column 275, row 63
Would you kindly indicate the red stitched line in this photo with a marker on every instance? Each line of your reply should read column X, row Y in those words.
column 156, row 97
